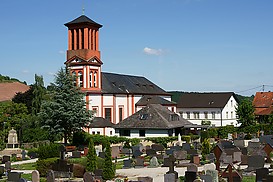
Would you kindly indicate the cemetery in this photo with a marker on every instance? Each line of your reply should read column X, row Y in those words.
column 170, row 160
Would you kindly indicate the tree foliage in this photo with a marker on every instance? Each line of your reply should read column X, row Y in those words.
column 108, row 167
column 245, row 113
column 38, row 94
column 91, row 157
column 64, row 113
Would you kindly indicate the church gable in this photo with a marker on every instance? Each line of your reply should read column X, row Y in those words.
column 77, row 60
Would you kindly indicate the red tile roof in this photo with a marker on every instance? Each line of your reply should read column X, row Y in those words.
column 263, row 103
column 9, row 90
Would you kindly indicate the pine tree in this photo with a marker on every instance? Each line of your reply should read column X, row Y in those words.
column 108, row 167
column 91, row 157
column 65, row 112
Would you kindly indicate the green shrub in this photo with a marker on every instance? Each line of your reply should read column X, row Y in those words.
column 44, row 165
column 186, row 138
column 91, row 157
column 49, row 151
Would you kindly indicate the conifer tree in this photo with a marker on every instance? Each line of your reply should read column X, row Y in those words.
column 108, row 167
column 65, row 112
column 91, row 157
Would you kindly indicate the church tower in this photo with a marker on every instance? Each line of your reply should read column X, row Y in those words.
column 83, row 55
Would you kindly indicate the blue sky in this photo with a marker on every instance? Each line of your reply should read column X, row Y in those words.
column 184, row 45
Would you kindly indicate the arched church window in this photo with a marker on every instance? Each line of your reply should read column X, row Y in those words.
column 74, row 78
column 95, row 79
column 80, row 79
column 91, row 79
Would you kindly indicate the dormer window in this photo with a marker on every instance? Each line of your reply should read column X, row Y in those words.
column 143, row 117
column 174, row 117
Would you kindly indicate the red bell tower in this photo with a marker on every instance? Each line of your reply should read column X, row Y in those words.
column 83, row 55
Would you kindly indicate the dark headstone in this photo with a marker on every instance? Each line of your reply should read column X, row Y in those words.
column 171, row 167
column 192, row 152
column 157, row 147
column 169, row 151
column 24, row 153
column 261, row 174
column 244, row 159
column 166, row 162
column 206, row 178
column 76, row 154
column 150, row 152
column 102, row 155
column 169, row 177
column 139, row 162
column 8, row 166
column 127, row 163
column 186, row 146
column 145, row 179
column 5, row 158
column 2, row 170
column 180, row 154
column 98, row 172
column 175, row 148
column 126, row 151
column 14, row 176
column 190, row 176
column 192, row 168
column 255, row 162
column 244, row 151
column 137, row 153
column 210, row 157
column 88, row 177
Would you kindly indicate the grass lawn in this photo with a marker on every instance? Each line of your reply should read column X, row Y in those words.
column 28, row 166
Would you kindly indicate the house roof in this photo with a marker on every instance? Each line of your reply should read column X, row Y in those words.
column 113, row 83
column 263, row 103
column 204, row 100
column 153, row 116
column 9, row 89
column 153, row 99
column 83, row 19
column 100, row 122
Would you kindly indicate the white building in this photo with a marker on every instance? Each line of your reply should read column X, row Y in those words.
column 217, row 107
column 111, row 96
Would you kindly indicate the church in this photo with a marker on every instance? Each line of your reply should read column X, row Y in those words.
column 110, row 96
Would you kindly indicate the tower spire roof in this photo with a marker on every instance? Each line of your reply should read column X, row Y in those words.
column 83, row 19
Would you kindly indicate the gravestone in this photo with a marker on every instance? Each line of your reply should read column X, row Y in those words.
column 35, row 176
column 244, row 150
column 50, row 177
column 169, row 177
column 126, row 151
column 192, row 152
column 206, row 178
column 102, row 155
column 261, row 174
column 24, row 153
column 186, row 146
column 255, row 162
column 115, row 151
column 14, row 176
column 139, row 162
column 5, row 159
column 232, row 174
column 127, row 164
column 12, row 139
column 2, row 170
column 166, row 162
column 180, row 154
column 210, row 166
column 237, row 156
column 76, row 154
column 253, row 148
column 137, row 153
column 190, row 176
column 154, row 162
column 214, row 174
column 192, row 168
column 239, row 143
column 98, row 172
column 22, row 180
column 150, row 152
column 8, row 166
column 171, row 167
column 196, row 159
column 175, row 148
column 210, row 157
column 169, row 151
column 157, row 147
column 227, row 159
column 145, row 179
column 88, row 177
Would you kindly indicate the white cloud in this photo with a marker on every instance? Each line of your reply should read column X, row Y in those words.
column 25, row 71
column 152, row 51
column 51, row 74
column 61, row 52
